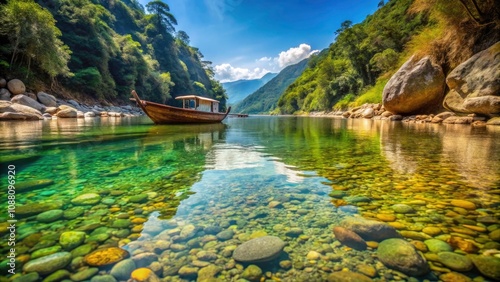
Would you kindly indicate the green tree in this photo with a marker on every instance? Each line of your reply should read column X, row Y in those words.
column 33, row 36
column 183, row 37
column 161, row 11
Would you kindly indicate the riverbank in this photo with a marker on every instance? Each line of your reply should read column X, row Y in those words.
column 378, row 112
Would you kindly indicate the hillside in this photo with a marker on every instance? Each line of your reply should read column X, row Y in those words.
column 100, row 50
column 265, row 98
column 363, row 57
column 238, row 90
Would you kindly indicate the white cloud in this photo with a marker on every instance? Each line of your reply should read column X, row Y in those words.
column 295, row 55
column 265, row 59
column 226, row 72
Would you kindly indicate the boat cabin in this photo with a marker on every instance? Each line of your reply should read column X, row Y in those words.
column 199, row 103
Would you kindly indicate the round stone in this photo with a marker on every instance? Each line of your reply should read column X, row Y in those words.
column 48, row 264
column 455, row 261
column 49, row 216
column 71, row 239
column 141, row 198
column 437, row 246
column 403, row 208
column 252, row 273
column 402, row 256
column 259, row 249
column 105, row 256
column 463, row 204
column 86, row 199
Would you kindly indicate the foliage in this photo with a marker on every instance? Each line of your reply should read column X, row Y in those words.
column 33, row 36
column 115, row 47
column 360, row 54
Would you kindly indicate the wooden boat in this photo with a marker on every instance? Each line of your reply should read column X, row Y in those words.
column 195, row 109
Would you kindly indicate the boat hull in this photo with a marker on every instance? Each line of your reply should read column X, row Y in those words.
column 163, row 114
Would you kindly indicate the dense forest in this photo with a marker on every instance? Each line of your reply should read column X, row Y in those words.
column 101, row 49
column 355, row 68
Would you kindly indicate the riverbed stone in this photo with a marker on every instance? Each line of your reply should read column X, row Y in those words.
column 495, row 235
column 48, row 264
column 259, row 249
column 144, row 275
column 455, row 261
column 140, row 198
column 437, row 246
column 349, row 238
column 50, row 216
column 225, row 235
column 347, row 276
column 45, row 251
column 401, row 255
column 84, row 274
column 403, row 208
column 66, row 112
column 103, row 278
column 73, row 212
column 252, row 273
column 369, row 230
column 454, row 277
column 207, row 272
column 105, row 256
column 71, row 239
column 58, row 275
column 468, row 205
column 86, row 199
column 489, row 266
column 4, row 94
column 123, row 269
column 30, row 277
column 31, row 185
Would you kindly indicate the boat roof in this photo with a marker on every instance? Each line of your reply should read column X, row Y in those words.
column 196, row 97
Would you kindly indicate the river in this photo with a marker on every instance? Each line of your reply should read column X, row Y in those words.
column 180, row 199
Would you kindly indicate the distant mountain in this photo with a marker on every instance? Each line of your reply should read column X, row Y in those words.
column 240, row 89
column 265, row 98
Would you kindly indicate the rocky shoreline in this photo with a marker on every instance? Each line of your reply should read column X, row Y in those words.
column 18, row 104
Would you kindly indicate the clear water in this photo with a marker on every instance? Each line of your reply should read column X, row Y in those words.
column 228, row 176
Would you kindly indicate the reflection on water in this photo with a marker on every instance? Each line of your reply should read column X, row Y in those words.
column 180, row 199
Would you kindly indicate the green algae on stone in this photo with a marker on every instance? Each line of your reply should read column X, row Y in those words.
column 48, row 264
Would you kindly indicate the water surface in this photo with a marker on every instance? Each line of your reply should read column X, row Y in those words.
column 170, row 191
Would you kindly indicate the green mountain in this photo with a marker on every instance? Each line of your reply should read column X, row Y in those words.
column 240, row 89
column 265, row 98
column 100, row 50
column 355, row 68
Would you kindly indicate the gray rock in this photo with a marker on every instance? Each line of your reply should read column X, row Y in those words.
column 401, row 255
column 144, row 259
column 225, row 235
column 479, row 76
column 89, row 114
column 27, row 101
column 259, row 249
column 14, row 111
column 123, row 269
column 416, row 87
column 3, row 82
column 16, row 86
column 47, row 99
column 370, row 230
column 4, row 94
column 48, row 264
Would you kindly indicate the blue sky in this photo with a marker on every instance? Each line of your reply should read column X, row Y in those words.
column 247, row 38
